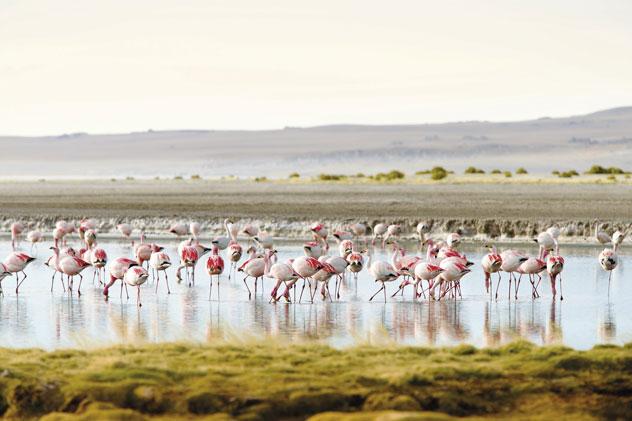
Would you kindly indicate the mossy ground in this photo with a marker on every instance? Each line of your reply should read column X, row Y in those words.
column 277, row 381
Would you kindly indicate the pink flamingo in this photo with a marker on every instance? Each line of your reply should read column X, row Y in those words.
column 255, row 268
column 491, row 263
column 16, row 232
column 135, row 277
column 234, row 254
column 70, row 266
column 608, row 260
column 453, row 271
column 382, row 272
column 143, row 250
column 531, row 267
column 34, row 237
column 339, row 265
column 343, row 235
column 90, row 238
column 306, row 267
column 379, row 230
column 178, row 229
column 98, row 259
column 195, row 229
column 85, row 225
column 58, row 235
column 117, row 269
column 511, row 261
column 320, row 234
column 67, row 251
column 214, row 266
column 313, row 249
column 251, row 231
column 282, row 273
column 323, row 275
column 554, row 267
column 356, row 263
column 126, row 231
column 189, row 256
column 159, row 261
column 16, row 262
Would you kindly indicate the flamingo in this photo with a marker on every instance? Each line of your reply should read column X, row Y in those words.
column 617, row 239
column 554, row 267
column 313, row 249
column 356, row 263
column 491, row 263
column 98, row 259
column 90, row 238
column 608, row 260
column 425, row 271
column 255, row 268
column 282, row 273
column 532, row 266
column 345, row 248
column 264, row 240
column 214, row 266
column 195, row 229
column 189, row 256
column 16, row 232
column 306, row 267
column 34, row 237
column 453, row 239
column 16, row 262
column 392, row 231
column 545, row 240
column 117, row 268
column 251, row 231
column 511, row 261
column 143, row 250
column 135, row 277
column 70, row 266
column 320, row 234
column 178, row 229
column 343, row 235
column 554, row 232
column 382, row 272
column 323, row 275
column 85, row 225
column 358, row 229
column 160, row 262
column 126, row 230
column 231, row 229
column 51, row 263
column 339, row 265
column 58, row 235
column 379, row 230
column 423, row 228
column 453, row 271
column 602, row 236
column 234, row 255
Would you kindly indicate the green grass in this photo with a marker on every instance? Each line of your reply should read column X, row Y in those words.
column 267, row 381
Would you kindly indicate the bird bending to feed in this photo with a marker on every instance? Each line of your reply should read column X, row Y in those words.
column 136, row 276
column 70, row 266
column 179, row 229
column 320, row 234
column 126, row 230
column 255, row 268
column 379, row 230
column 602, row 236
column 16, row 233
column 34, row 237
column 117, row 269
column 608, row 260
column 382, row 272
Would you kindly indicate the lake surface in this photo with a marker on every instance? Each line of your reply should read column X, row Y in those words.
column 588, row 315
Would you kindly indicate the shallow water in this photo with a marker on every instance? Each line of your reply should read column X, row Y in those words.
column 588, row 315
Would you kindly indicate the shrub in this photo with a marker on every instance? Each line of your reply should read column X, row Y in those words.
column 598, row 169
column 438, row 173
column 389, row 176
column 178, row 177
column 612, row 177
column 473, row 170
column 128, row 178
column 555, row 172
column 507, row 174
column 331, row 177
column 260, row 179
column 360, row 175
column 496, row 172
column 295, row 175
column 196, row 177
column 521, row 170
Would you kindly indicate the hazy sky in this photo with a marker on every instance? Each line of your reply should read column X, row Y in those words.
column 112, row 66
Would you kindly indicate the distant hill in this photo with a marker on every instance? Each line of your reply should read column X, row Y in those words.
column 603, row 137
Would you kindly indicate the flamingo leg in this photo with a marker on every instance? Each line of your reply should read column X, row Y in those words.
column 80, row 280
column 138, row 296
column 52, row 281
column 561, row 296
column 378, row 291
column 246, row 283
column 498, row 285
column 157, row 280
column 167, row 283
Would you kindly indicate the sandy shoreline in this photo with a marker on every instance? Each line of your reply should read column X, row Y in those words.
column 509, row 211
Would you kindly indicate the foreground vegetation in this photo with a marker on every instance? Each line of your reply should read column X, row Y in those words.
column 274, row 381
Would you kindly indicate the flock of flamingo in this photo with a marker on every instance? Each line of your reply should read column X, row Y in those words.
column 437, row 275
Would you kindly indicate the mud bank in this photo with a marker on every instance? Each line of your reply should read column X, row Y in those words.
column 573, row 231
